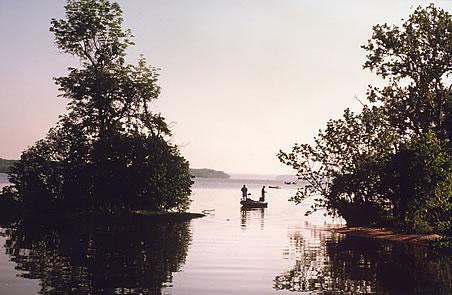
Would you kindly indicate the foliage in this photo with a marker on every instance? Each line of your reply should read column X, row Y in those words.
column 418, row 182
column 416, row 59
column 392, row 161
column 344, row 163
column 110, row 152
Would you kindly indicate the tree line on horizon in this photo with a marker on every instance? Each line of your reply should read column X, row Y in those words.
column 5, row 165
column 391, row 163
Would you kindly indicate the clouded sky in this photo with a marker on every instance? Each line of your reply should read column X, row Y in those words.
column 241, row 79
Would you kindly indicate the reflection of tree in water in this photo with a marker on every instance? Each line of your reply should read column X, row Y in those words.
column 122, row 257
column 351, row 265
column 246, row 214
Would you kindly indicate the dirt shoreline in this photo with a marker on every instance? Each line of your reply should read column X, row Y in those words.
column 388, row 234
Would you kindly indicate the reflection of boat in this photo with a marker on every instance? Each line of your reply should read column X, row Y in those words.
column 277, row 186
column 248, row 203
column 251, row 214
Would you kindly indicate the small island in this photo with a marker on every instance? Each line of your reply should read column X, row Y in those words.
column 208, row 173
column 110, row 154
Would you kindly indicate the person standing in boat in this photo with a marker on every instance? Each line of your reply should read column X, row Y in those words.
column 262, row 198
column 244, row 193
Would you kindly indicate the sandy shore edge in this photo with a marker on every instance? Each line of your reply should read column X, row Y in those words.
column 388, row 234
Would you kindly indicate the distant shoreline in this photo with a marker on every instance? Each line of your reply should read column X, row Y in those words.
column 5, row 165
column 207, row 173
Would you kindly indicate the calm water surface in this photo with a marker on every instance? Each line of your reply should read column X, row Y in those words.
column 276, row 250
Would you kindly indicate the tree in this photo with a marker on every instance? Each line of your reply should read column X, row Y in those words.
column 393, row 160
column 110, row 152
column 342, row 168
column 416, row 59
column 417, row 179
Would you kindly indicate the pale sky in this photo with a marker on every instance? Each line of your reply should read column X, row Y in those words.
column 241, row 79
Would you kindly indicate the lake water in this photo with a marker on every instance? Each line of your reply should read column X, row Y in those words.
column 276, row 250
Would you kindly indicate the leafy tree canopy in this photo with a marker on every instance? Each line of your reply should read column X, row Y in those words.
column 110, row 152
column 393, row 160
column 416, row 58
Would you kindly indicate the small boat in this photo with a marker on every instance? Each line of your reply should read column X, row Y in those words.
column 276, row 187
column 248, row 203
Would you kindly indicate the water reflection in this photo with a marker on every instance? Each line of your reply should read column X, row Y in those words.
column 123, row 257
column 337, row 264
column 248, row 214
column 233, row 252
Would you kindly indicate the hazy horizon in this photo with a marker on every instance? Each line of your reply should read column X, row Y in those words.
column 240, row 79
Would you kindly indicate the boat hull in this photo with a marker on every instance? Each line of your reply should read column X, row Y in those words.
column 253, row 204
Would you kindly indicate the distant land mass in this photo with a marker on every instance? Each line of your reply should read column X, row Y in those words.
column 201, row 173
column 5, row 165
column 287, row 177
column 208, row 173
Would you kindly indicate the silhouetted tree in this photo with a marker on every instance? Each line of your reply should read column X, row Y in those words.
column 343, row 167
column 392, row 161
column 110, row 152
column 416, row 59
